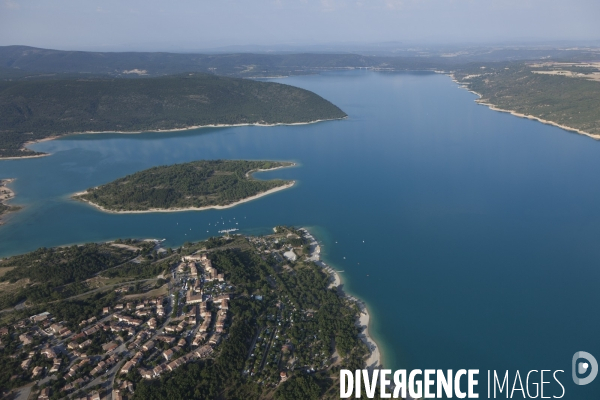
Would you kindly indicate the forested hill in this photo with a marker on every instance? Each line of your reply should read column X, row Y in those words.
column 195, row 184
column 33, row 110
column 567, row 94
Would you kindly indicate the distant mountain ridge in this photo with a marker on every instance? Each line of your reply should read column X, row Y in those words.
column 35, row 60
column 56, row 61
column 25, row 59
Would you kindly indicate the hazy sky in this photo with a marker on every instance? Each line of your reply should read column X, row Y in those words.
column 198, row 24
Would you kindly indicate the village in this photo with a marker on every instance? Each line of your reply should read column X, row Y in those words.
column 147, row 337
column 144, row 337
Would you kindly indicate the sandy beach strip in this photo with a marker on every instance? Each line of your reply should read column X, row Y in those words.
column 288, row 165
column 168, row 210
column 24, row 157
column 187, row 128
column 374, row 360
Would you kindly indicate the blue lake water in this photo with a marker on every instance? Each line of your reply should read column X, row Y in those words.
column 480, row 229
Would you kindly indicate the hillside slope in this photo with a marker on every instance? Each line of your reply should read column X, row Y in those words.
column 570, row 102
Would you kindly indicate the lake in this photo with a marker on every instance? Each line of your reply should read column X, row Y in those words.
column 471, row 234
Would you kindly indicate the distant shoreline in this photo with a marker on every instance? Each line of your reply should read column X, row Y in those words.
column 493, row 107
column 76, row 196
column 187, row 128
column 375, row 359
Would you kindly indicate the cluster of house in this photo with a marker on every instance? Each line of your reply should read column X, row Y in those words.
column 203, row 343
column 42, row 328
column 114, row 320
column 126, row 387
column 171, row 364
column 223, row 302
column 211, row 273
column 45, row 395
column 132, row 329
column 37, row 370
column 45, row 328
column 95, row 395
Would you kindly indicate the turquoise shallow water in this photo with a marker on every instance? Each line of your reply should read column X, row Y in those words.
column 480, row 229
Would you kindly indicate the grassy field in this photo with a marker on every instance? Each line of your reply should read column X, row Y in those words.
column 161, row 291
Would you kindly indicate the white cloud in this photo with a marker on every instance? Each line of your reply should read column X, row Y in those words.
column 328, row 5
column 11, row 5
column 394, row 4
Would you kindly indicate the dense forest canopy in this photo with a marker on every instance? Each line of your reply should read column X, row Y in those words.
column 195, row 184
column 37, row 109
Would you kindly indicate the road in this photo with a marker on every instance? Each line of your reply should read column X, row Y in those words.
column 23, row 393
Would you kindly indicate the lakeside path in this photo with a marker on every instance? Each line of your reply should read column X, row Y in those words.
column 168, row 210
column 465, row 85
column 375, row 359
column 187, row 128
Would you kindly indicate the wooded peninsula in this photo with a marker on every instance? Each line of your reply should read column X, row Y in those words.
column 191, row 186
column 40, row 109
